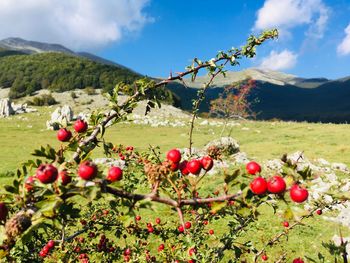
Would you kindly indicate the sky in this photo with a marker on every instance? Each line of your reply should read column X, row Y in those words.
column 154, row 37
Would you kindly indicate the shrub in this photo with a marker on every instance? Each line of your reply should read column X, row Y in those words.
column 43, row 100
column 75, row 210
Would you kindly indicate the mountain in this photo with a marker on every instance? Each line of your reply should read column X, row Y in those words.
column 280, row 95
column 30, row 47
column 15, row 45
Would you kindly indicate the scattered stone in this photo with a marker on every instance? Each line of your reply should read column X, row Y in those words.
column 60, row 117
column 340, row 166
column 6, row 108
column 227, row 145
column 241, row 158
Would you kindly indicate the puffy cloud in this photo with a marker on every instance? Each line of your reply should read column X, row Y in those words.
column 344, row 47
column 287, row 14
column 279, row 61
column 77, row 24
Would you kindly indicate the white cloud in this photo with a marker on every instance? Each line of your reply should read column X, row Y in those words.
column 279, row 61
column 344, row 47
column 77, row 24
column 287, row 14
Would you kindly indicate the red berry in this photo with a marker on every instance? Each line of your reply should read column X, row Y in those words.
column 158, row 220
column 114, row 174
column 42, row 254
column 205, row 222
column 29, row 183
column 191, row 261
column 65, row 178
column 64, row 135
column 126, row 258
column 194, row 166
column 253, row 168
column 211, row 232
column 276, row 185
column 161, row 247
column 127, row 252
column 298, row 194
column 181, row 229
column 51, row 244
column 192, row 251
column 81, row 239
column 138, row 218
column 45, row 249
column 258, row 186
column 264, row 257
column 298, row 260
column 286, row 224
column 3, row 211
column 174, row 167
column 80, row 126
column 105, row 212
column 188, row 225
column 183, row 168
column 83, row 222
column 319, row 212
column 207, row 163
column 174, row 156
column 87, row 170
column 150, row 229
column 46, row 173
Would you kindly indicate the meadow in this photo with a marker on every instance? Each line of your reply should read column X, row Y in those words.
column 261, row 140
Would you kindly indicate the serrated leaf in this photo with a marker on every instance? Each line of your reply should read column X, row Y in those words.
column 288, row 214
column 230, row 177
column 217, row 206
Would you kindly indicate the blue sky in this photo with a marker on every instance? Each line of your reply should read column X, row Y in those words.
column 154, row 37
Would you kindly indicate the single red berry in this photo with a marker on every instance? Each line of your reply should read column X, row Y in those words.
column 298, row 194
column 138, row 218
column 194, row 166
column 298, row 260
column 3, row 211
column 161, row 247
column 205, row 222
column 183, row 168
column 114, row 174
column 127, row 252
column 191, row 261
column 174, row 156
column 150, row 229
column 83, row 222
column 51, row 244
column 264, row 257
column 192, row 251
column 174, row 166
column 65, row 178
column 46, row 249
column 87, row 170
column 286, row 224
column 319, row 212
column 207, row 163
column 258, row 186
column 42, row 254
column 64, row 135
column 181, row 229
column 46, row 173
column 105, row 212
column 158, row 220
column 80, row 126
column 92, row 234
column 126, row 258
column 188, row 225
column 29, row 183
column 81, row 239
column 211, row 232
column 253, row 168
column 276, row 185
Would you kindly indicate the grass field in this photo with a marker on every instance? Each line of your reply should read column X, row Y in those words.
column 19, row 135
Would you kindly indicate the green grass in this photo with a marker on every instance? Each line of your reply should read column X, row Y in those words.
column 262, row 141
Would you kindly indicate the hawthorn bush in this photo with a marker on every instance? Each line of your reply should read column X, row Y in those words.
column 139, row 206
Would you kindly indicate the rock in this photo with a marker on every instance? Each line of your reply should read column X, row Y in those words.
column 340, row 166
column 61, row 116
column 241, row 157
column 6, row 108
column 227, row 145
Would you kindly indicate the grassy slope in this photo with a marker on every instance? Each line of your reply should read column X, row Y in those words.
column 263, row 140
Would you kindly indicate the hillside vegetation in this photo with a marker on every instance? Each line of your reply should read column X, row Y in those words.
column 57, row 72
